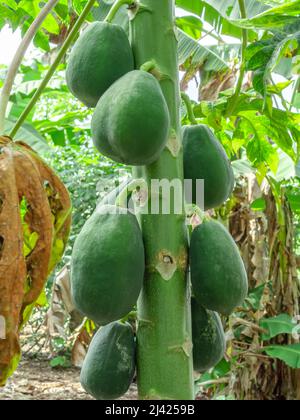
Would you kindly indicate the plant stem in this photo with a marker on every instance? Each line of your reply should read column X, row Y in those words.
column 115, row 7
column 295, row 92
column 189, row 108
column 234, row 99
column 284, row 102
column 16, row 62
column 241, row 321
column 164, row 345
column 211, row 33
column 214, row 382
column 53, row 67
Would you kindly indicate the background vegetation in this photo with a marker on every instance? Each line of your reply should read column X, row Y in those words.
column 242, row 59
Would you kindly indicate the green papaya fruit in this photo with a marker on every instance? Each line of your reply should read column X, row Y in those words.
column 205, row 158
column 209, row 342
column 107, row 266
column 218, row 274
column 101, row 55
column 109, row 366
column 131, row 122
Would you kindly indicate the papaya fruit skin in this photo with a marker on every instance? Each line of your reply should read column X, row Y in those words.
column 107, row 266
column 209, row 342
column 109, row 366
column 205, row 158
column 131, row 122
column 101, row 55
column 218, row 274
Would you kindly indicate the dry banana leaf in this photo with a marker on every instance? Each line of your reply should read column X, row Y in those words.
column 12, row 265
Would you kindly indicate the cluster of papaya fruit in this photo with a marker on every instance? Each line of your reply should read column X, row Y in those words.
column 108, row 261
column 131, row 125
column 101, row 74
column 35, row 220
column 218, row 286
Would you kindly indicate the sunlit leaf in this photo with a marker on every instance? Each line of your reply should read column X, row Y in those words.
column 281, row 324
column 30, row 136
column 258, row 205
column 191, row 25
column 288, row 354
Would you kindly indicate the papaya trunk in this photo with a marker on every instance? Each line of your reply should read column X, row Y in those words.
column 165, row 367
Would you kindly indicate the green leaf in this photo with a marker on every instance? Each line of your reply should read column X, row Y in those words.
column 219, row 14
column 286, row 168
column 42, row 300
column 58, row 137
column 258, row 205
column 255, row 296
column 60, row 361
column 242, row 167
column 296, row 101
column 264, row 57
column 290, row 355
column 41, row 41
column 259, row 149
column 294, row 200
column 10, row 369
column 121, row 18
column 281, row 324
column 30, row 136
column 200, row 55
column 279, row 87
column 277, row 17
column 191, row 25
column 51, row 25
column 11, row 3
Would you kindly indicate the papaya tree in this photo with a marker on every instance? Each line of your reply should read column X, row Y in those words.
column 137, row 122
column 173, row 264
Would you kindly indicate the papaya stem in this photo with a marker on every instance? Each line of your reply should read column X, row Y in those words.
column 164, row 313
column 189, row 108
column 53, row 67
column 116, row 6
column 148, row 66
column 16, row 62
column 130, row 188
column 192, row 209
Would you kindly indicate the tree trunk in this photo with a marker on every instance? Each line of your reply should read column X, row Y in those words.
column 165, row 369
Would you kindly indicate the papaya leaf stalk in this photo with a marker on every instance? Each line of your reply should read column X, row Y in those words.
column 61, row 54
column 53, row 67
column 16, row 62
column 234, row 99
column 116, row 6
column 189, row 108
column 164, row 355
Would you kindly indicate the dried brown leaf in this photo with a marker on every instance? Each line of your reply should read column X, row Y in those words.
column 39, row 219
column 12, row 265
column 59, row 201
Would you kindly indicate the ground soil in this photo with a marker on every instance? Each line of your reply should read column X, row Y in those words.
column 36, row 380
